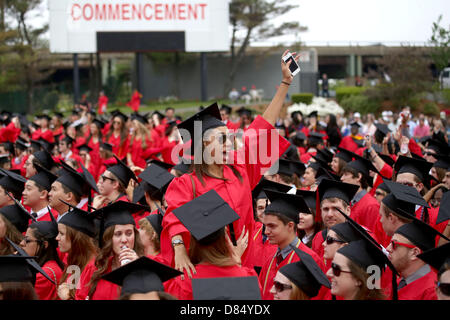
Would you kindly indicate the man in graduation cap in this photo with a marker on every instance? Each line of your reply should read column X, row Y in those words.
column 225, row 112
column 12, row 183
column 65, row 150
column 35, row 194
column 331, row 195
column 280, row 219
column 417, row 278
column 354, row 141
column 113, row 184
column 364, row 207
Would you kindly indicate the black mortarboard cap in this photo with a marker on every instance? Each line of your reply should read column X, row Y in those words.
column 156, row 179
column 438, row 146
column 142, row 275
column 383, row 186
column 70, row 178
column 139, row 117
column 325, row 155
column 165, row 165
column 34, row 266
column 48, row 229
column 59, row 114
column 420, row 234
column 44, row 116
column 264, row 184
column 300, row 135
column 210, row 118
column 289, row 205
column 227, row 288
column 117, row 113
column 43, row 177
column 68, row 139
column 139, row 195
column 46, row 145
column 17, row 215
column 315, row 137
column 355, row 124
column 336, row 189
column 156, row 222
column 107, row 146
column 388, row 159
column 346, row 232
column 118, row 213
column 403, row 199
column 226, row 108
column 305, row 274
column 205, row 215
column 89, row 180
column 79, row 220
column 382, row 128
column 309, row 197
column 289, row 167
column 364, row 254
column 243, row 111
column 12, row 182
column 9, row 146
column 363, row 166
column 443, row 161
column 344, row 154
column 313, row 114
column 420, row 168
column 444, row 209
column 84, row 147
column 159, row 114
column 4, row 158
column 122, row 172
column 35, row 125
column 15, row 268
column 436, row 257
column 22, row 144
column 99, row 123
column 45, row 159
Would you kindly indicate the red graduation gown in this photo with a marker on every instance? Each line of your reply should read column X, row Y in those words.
column 46, row 217
column 119, row 149
column 105, row 290
column 421, row 289
column 46, row 290
column 262, row 251
column 236, row 194
column 348, row 143
column 182, row 289
column 85, row 277
column 46, row 135
column 270, row 268
column 9, row 133
column 366, row 211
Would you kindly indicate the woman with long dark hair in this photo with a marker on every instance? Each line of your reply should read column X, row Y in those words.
column 118, row 136
column 233, row 182
column 333, row 131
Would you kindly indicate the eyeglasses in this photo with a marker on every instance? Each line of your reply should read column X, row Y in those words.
column 395, row 245
column 444, row 288
column 103, row 177
column 27, row 240
column 331, row 240
column 280, row 287
column 337, row 269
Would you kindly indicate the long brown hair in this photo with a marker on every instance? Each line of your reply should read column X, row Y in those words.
column 102, row 262
column 142, row 132
column 18, row 291
column 147, row 226
column 123, row 131
column 81, row 252
column 298, row 294
column 216, row 253
column 13, row 234
column 364, row 293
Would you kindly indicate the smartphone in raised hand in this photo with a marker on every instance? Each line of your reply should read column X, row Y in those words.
column 294, row 67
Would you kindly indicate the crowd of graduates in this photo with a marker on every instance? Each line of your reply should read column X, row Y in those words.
column 106, row 206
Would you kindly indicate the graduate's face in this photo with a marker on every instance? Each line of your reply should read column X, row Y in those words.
column 335, row 164
column 386, row 220
column 56, row 193
column 64, row 243
column 445, row 279
column 93, row 129
column 117, row 123
column 329, row 250
column 306, row 221
column 216, row 146
column 345, row 285
column 145, row 237
column 277, row 232
column 284, row 281
column 400, row 256
column 260, row 207
column 30, row 170
column 330, row 215
column 123, row 236
column 4, row 199
column 347, row 177
column 105, row 185
column 309, row 177
column 29, row 243
column 31, row 194
column 446, row 180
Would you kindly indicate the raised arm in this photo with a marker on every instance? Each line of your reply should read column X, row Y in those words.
column 273, row 110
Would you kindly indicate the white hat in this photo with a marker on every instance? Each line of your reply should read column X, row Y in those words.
column 357, row 114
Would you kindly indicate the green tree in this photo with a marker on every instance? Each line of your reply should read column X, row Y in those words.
column 31, row 59
column 251, row 21
column 440, row 41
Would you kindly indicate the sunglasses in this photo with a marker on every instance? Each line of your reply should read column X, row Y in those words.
column 331, row 240
column 103, row 177
column 395, row 245
column 280, row 287
column 337, row 269
column 444, row 288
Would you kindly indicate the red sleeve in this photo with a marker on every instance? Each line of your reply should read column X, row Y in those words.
column 414, row 147
column 44, row 288
column 123, row 150
column 386, row 171
column 86, row 275
column 263, row 146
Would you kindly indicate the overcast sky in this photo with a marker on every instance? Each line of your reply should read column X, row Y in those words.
column 339, row 22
